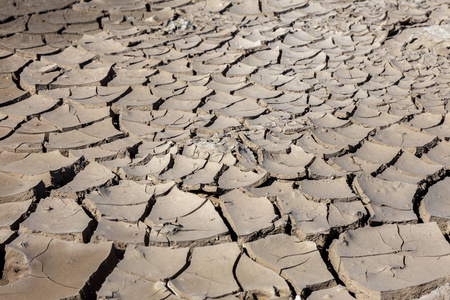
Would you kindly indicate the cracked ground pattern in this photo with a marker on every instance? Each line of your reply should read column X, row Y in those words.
column 224, row 149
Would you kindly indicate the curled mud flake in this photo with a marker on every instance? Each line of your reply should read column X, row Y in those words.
column 210, row 273
column 375, row 261
column 34, row 267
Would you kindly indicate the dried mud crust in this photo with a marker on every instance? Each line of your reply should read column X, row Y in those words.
column 224, row 149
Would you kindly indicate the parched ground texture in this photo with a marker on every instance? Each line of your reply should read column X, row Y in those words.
column 225, row 149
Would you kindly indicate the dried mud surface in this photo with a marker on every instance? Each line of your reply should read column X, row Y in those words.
column 224, row 149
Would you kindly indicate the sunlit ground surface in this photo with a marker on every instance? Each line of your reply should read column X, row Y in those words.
column 282, row 149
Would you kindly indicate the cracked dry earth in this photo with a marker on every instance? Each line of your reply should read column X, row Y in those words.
column 225, row 149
